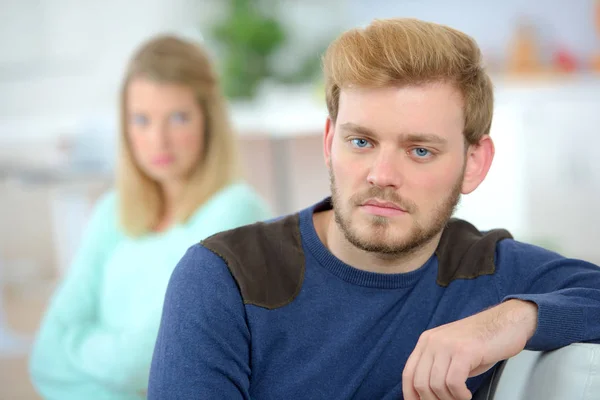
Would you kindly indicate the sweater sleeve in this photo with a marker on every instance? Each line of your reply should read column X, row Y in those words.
column 203, row 346
column 62, row 356
column 566, row 292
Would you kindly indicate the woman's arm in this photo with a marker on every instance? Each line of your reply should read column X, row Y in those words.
column 69, row 340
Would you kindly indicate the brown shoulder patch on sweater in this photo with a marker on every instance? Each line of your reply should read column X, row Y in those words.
column 266, row 260
column 466, row 253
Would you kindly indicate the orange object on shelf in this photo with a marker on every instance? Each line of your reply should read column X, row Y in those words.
column 597, row 16
column 595, row 61
column 523, row 55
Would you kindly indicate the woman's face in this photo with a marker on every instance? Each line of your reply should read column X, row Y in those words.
column 165, row 129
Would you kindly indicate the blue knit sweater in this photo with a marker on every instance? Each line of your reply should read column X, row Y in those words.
column 346, row 333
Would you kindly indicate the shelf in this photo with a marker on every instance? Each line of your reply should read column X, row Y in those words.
column 286, row 115
column 294, row 112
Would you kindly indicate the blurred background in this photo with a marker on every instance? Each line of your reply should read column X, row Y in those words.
column 61, row 63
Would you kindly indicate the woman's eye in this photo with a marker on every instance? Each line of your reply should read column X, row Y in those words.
column 179, row 117
column 360, row 143
column 139, row 119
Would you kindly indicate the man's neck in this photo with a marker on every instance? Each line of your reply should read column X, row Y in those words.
column 333, row 238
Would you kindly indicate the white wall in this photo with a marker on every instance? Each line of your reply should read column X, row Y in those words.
column 61, row 64
column 544, row 184
column 62, row 60
column 567, row 23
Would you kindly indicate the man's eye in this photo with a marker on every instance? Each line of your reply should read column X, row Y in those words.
column 420, row 152
column 360, row 143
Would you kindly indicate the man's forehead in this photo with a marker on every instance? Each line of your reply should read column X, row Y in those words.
column 402, row 111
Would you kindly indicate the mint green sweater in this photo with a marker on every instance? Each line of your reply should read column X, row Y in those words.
column 97, row 337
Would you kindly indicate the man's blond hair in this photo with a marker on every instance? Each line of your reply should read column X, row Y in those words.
column 406, row 51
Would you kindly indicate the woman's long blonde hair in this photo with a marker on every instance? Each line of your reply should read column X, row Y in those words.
column 169, row 59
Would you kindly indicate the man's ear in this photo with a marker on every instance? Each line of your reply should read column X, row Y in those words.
column 478, row 163
column 328, row 140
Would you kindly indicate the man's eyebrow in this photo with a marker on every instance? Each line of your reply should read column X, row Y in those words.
column 358, row 129
column 405, row 138
column 424, row 138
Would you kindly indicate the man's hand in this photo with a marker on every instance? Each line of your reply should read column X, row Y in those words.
column 446, row 356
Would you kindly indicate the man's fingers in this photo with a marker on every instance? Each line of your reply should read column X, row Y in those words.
column 456, row 379
column 437, row 379
column 422, row 377
column 408, row 375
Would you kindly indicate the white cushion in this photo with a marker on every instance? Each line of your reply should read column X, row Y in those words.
column 568, row 373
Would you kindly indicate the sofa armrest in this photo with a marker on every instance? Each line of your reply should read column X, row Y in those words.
column 568, row 373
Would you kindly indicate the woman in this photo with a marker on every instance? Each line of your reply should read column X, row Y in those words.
column 177, row 183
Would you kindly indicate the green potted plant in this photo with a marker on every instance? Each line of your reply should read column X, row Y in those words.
column 247, row 37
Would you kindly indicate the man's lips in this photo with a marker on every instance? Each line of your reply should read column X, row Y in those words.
column 383, row 208
column 383, row 204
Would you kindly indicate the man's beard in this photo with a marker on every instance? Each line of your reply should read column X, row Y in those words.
column 378, row 239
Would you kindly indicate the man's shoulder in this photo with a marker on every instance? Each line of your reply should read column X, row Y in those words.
column 465, row 252
column 266, row 259
column 519, row 252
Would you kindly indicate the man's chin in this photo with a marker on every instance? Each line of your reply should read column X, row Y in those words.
column 380, row 247
column 391, row 225
column 383, row 233
column 377, row 236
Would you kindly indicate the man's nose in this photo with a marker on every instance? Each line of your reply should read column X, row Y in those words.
column 386, row 170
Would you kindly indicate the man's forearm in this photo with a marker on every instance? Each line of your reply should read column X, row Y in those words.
column 510, row 325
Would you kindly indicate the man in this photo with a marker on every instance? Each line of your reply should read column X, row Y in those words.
column 376, row 292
